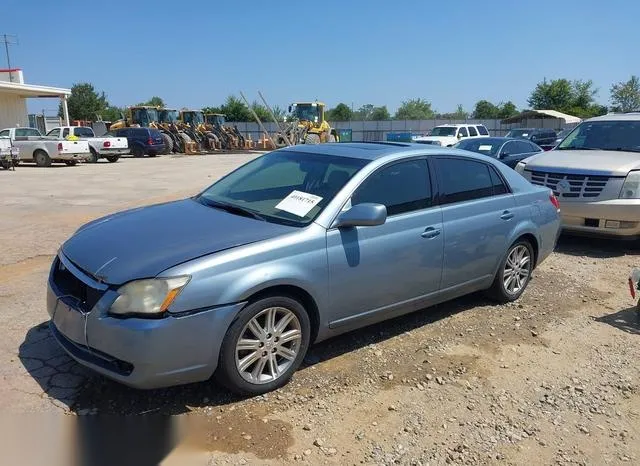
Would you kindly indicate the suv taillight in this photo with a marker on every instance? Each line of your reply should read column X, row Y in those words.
column 554, row 201
column 150, row 141
column 59, row 146
column 106, row 144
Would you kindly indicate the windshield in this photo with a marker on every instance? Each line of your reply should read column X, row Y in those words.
column 486, row 146
column 443, row 131
column 604, row 135
column 83, row 132
column 213, row 119
column 284, row 187
column 193, row 118
column 519, row 133
column 144, row 116
column 306, row 112
column 167, row 116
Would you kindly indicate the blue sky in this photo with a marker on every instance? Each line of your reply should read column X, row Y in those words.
column 196, row 53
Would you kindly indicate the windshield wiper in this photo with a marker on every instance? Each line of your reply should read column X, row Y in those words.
column 231, row 208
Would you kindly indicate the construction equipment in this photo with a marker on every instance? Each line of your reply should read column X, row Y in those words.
column 192, row 123
column 227, row 137
column 168, row 123
column 312, row 128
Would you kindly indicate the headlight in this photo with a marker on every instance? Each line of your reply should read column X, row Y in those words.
column 631, row 186
column 436, row 143
column 152, row 296
column 520, row 168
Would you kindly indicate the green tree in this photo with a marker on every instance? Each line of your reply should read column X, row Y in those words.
column 459, row 114
column 415, row 109
column 261, row 111
column 572, row 97
column 342, row 112
column 380, row 114
column 211, row 110
column 507, row 110
column 364, row 112
column 236, row 110
column 485, row 110
column 279, row 112
column 154, row 101
column 625, row 95
column 84, row 103
column 112, row 113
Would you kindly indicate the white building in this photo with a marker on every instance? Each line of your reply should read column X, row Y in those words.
column 14, row 94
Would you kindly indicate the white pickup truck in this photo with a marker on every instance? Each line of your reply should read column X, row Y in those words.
column 108, row 147
column 34, row 147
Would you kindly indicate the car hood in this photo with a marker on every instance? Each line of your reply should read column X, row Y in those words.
column 143, row 242
column 437, row 138
column 596, row 162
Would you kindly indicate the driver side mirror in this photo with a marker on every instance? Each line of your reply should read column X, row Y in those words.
column 289, row 108
column 459, row 135
column 362, row 215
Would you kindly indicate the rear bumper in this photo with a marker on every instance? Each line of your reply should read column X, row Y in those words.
column 112, row 152
column 614, row 218
column 67, row 157
column 154, row 149
column 140, row 353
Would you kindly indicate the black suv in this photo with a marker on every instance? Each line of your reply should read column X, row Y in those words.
column 545, row 138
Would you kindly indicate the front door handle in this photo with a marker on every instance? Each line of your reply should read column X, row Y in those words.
column 430, row 233
column 506, row 215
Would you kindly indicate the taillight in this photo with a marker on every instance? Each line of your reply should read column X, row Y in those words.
column 150, row 141
column 60, row 146
column 554, row 201
column 106, row 144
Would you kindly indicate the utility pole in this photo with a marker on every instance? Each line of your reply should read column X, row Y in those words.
column 9, row 39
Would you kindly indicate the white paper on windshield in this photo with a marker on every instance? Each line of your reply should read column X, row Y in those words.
column 298, row 203
column 484, row 147
column 524, row 135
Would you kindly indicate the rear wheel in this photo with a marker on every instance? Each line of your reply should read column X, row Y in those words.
column 168, row 143
column 137, row 151
column 264, row 346
column 93, row 157
column 514, row 273
column 312, row 138
column 42, row 158
column 71, row 163
column 113, row 158
column 6, row 164
column 331, row 138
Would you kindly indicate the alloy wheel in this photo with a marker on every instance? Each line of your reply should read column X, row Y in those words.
column 268, row 345
column 517, row 269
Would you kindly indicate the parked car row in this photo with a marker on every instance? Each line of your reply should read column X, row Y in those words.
column 73, row 144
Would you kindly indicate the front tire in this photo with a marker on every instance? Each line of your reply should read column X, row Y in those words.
column 264, row 346
column 312, row 138
column 514, row 273
column 137, row 151
column 168, row 144
column 71, row 163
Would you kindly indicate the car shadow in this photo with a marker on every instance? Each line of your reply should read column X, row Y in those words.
column 599, row 248
column 85, row 392
column 627, row 320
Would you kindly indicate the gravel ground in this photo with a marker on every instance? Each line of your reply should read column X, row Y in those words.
column 553, row 378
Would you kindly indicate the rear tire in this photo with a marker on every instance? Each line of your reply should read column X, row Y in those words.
column 137, row 151
column 312, row 138
column 42, row 158
column 6, row 164
column 93, row 158
column 113, row 158
column 514, row 273
column 71, row 163
column 269, row 360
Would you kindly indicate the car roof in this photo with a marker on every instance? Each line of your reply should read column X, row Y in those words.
column 491, row 138
column 632, row 116
column 376, row 150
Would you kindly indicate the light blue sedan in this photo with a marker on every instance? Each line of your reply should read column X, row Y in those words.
column 292, row 248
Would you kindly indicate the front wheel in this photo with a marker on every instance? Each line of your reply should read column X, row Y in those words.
column 42, row 158
column 312, row 138
column 6, row 164
column 514, row 273
column 137, row 151
column 71, row 163
column 93, row 157
column 264, row 346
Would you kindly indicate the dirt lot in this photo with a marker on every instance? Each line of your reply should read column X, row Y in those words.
column 554, row 378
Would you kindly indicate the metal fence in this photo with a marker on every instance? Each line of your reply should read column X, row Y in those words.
column 368, row 131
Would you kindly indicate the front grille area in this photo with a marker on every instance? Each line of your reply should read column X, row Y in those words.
column 72, row 289
column 571, row 186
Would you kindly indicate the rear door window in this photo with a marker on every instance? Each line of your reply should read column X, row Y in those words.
column 463, row 180
column 482, row 130
column 520, row 147
column 65, row 132
column 24, row 132
column 472, row 131
column 463, row 132
column 54, row 133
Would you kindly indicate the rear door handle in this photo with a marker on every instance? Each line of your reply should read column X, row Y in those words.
column 430, row 233
column 506, row 215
